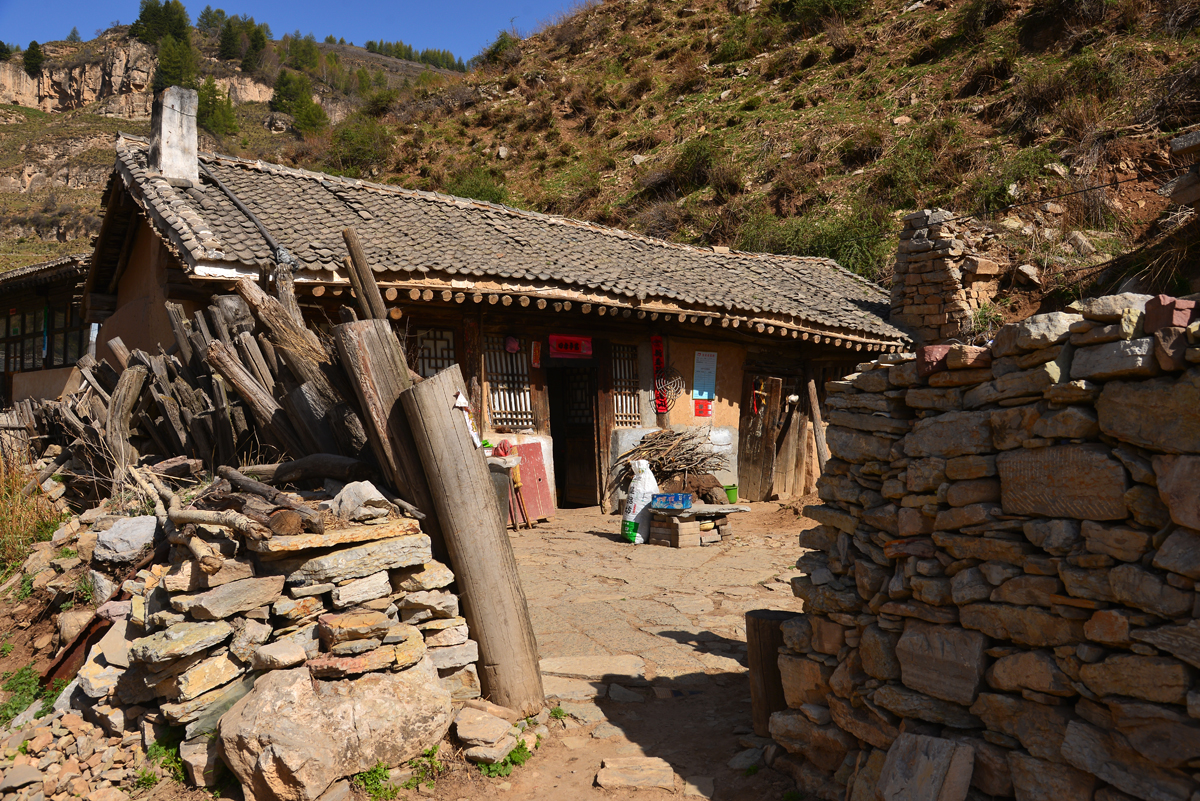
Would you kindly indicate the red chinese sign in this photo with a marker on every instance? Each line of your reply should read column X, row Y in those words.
column 567, row 347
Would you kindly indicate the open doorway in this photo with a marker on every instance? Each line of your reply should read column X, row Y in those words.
column 572, row 391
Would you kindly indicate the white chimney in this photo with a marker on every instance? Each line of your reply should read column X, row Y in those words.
column 173, row 136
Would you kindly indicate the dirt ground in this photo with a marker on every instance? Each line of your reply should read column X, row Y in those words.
column 681, row 611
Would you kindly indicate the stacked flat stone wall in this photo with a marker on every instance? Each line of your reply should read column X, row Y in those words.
column 1001, row 599
column 940, row 276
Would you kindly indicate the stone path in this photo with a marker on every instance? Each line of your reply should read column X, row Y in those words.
column 645, row 645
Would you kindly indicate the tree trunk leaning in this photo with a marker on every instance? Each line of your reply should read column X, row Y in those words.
column 763, row 639
column 480, row 552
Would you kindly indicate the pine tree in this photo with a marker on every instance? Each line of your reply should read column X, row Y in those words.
column 177, row 64
column 211, row 21
column 34, row 57
column 148, row 26
column 258, row 43
column 215, row 110
column 293, row 95
column 74, row 36
column 230, row 46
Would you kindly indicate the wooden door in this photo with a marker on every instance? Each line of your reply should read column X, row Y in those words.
column 573, row 428
column 758, row 431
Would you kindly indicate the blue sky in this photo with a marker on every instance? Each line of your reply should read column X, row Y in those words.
column 461, row 26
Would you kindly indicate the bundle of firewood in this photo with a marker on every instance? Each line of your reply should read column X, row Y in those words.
column 672, row 455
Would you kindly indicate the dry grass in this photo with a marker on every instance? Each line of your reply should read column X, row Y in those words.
column 23, row 520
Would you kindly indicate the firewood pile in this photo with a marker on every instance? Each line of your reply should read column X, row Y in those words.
column 256, row 502
column 674, row 456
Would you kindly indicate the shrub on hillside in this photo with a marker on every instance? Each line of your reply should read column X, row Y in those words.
column 504, row 52
column 811, row 15
column 478, row 183
column 698, row 164
column 860, row 239
column 359, row 145
column 293, row 95
column 976, row 16
column 989, row 193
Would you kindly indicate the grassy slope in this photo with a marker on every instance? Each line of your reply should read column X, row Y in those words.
column 765, row 135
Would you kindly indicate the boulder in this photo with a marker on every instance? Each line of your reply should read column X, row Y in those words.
column 1135, row 586
column 1074, row 481
column 432, row 575
column 292, row 737
column 1151, row 678
column 362, row 590
column 1120, row 542
column 1177, row 478
column 279, row 655
column 824, row 746
column 1109, row 308
column 1132, row 358
column 361, row 560
column 229, row 599
column 1036, row 779
column 1162, row 414
column 943, row 661
column 1028, row 626
column 1029, row 670
column 920, row 768
column 1039, row 728
column 126, row 539
column 359, row 501
column 1109, row 757
column 908, row 703
column 949, row 435
column 476, row 727
column 180, row 640
column 1182, row 641
column 804, row 681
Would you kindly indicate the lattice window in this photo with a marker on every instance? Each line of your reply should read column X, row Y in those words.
column 626, row 398
column 579, row 396
column 53, row 336
column 435, row 351
column 508, row 384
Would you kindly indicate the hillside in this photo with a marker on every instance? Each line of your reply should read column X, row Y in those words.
column 804, row 126
column 789, row 133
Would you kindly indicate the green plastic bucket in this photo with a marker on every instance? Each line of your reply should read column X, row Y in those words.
column 731, row 492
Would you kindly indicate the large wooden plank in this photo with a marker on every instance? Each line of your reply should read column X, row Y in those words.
column 536, row 490
column 374, row 361
column 480, row 552
column 756, row 437
column 814, row 408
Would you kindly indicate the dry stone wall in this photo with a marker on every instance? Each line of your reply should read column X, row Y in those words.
column 1001, row 597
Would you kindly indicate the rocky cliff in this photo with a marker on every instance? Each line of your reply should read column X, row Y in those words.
column 115, row 71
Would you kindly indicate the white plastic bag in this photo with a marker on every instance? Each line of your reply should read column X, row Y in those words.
column 635, row 524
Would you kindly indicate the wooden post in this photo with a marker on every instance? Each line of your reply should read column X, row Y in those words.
column 375, row 363
column 480, row 552
column 285, row 289
column 371, row 300
column 267, row 412
column 818, row 426
column 120, row 413
column 763, row 639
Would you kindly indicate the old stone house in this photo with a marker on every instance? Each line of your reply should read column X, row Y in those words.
column 570, row 334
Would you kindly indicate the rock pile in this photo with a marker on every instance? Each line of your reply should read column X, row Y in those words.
column 363, row 611
column 1002, row 590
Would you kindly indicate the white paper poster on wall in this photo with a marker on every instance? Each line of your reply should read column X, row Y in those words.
column 704, row 383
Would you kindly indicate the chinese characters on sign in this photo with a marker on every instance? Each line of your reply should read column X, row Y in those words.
column 568, row 347
column 662, row 404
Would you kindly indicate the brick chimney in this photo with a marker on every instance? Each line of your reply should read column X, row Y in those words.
column 173, row 136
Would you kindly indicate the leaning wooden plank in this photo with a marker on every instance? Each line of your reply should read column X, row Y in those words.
column 372, row 300
column 252, row 356
column 346, row 313
column 814, row 405
column 119, row 351
column 85, row 365
column 481, row 554
column 374, row 360
column 220, row 325
column 182, row 328
column 285, row 289
column 267, row 413
column 306, row 408
column 116, row 435
column 311, row 518
column 226, row 451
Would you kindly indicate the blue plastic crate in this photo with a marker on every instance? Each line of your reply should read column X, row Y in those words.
column 671, row 500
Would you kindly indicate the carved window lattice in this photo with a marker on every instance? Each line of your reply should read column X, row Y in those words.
column 435, row 351
column 508, row 384
column 626, row 398
column 579, row 396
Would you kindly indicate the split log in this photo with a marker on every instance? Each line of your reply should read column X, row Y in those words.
column 818, row 427
column 371, row 301
column 481, row 555
column 119, row 352
column 285, row 289
column 120, row 411
column 246, row 484
column 309, row 414
column 375, row 362
column 267, row 413
column 763, row 641
column 317, row 465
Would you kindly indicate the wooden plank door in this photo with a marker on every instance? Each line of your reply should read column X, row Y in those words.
column 758, row 431
column 536, row 489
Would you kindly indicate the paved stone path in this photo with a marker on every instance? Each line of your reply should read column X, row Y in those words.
column 645, row 645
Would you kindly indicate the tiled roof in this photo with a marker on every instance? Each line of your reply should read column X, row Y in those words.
column 410, row 236
column 74, row 265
